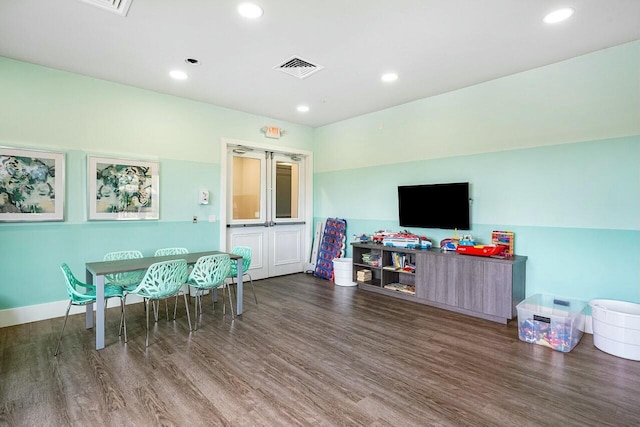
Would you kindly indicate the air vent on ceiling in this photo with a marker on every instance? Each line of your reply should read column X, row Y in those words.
column 120, row 7
column 298, row 67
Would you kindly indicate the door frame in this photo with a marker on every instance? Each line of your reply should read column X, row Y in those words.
column 308, row 187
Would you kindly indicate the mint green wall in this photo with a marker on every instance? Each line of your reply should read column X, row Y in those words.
column 568, row 186
column 574, row 209
column 48, row 109
column 587, row 98
column 551, row 154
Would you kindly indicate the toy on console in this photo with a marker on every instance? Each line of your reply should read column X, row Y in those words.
column 467, row 240
column 452, row 243
column 448, row 244
column 481, row 250
column 379, row 236
column 425, row 243
column 362, row 238
column 402, row 240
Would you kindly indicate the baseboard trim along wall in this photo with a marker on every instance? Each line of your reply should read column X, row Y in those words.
column 51, row 310
column 34, row 313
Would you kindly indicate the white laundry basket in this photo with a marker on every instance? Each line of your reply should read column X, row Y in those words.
column 343, row 272
column 616, row 327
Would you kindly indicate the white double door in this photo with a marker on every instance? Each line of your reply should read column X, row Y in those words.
column 267, row 207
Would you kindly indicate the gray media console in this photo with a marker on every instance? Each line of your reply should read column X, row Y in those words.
column 485, row 287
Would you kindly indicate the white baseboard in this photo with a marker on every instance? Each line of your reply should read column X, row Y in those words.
column 50, row 310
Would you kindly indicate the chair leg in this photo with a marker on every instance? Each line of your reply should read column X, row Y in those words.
column 66, row 316
column 123, row 321
column 155, row 309
column 230, row 289
column 186, row 306
column 230, row 300
column 175, row 307
column 252, row 288
column 195, row 310
column 147, row 338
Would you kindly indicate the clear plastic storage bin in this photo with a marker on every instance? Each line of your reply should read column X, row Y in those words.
column 551, row 321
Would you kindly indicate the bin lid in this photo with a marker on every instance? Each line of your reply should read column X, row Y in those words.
column 547, row 303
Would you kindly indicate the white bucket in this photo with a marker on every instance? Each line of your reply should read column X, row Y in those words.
column 343, row 272
column 616, row 327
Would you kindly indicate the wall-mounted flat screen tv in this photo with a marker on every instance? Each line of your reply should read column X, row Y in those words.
column 434, row 206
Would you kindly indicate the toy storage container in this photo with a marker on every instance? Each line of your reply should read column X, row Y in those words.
column 551, row 321
column 616, row 327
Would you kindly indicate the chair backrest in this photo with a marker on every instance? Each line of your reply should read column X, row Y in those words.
column 118, row 255
column 129, row 278
column 73, row 284
column 171, row 251
column 210, row 271
column 245, row 253
column 162, row 279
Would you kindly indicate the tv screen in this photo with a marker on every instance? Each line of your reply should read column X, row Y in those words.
column 434, row 206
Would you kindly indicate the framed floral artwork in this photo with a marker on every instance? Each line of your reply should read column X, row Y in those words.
column 31, row 185
column 121, row 189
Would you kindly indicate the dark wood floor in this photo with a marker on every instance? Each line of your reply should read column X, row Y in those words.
column 310, row 354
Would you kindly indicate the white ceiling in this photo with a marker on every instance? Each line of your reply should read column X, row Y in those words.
column 435, row 46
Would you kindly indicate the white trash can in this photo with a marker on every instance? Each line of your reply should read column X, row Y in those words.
column 343, row 272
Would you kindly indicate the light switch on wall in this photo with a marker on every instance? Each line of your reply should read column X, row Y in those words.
column 204, row 197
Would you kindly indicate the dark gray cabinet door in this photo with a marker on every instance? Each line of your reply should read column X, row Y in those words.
column 498, row 289
column 469, row 279
column 423, row 278
column 442, row 280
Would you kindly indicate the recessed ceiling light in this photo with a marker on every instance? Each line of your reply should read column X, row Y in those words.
column 558, row 15
column 178, row 75
column 303, row 108
column 250, row 10
column 389, row 77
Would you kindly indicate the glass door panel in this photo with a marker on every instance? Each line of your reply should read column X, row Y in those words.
column 247, row 188
column 286, row 179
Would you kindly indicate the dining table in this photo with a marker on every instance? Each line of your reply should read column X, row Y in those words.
column 96, row 272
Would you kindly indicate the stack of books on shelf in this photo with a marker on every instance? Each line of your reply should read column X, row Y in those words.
column 371, row 258
column 400, row 262
column 407, row 289
column 363, row 276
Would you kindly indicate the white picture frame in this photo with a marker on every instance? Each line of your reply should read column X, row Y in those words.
column 123, row 189
column 32, row 185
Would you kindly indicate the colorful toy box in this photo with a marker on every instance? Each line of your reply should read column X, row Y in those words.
column 551, row 321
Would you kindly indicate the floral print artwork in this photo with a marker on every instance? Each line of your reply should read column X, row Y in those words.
column 123, row 188
column 27, row 185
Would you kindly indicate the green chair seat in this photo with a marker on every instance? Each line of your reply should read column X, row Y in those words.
column 127, row 280
column 161, row 280
column 209, row 273
column 88, row 296
column 185, row 288
column 245, row 253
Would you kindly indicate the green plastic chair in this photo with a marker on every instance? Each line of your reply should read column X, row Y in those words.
column 171, row 251
column 161, row 280
column 210, row 273
column 128, row 280
column 76, row 297
column 185, row 288
column 245, row 253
